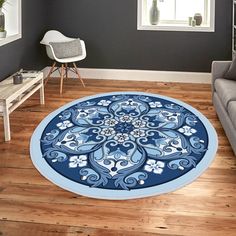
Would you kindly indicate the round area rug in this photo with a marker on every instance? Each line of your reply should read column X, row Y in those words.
column 123, row 145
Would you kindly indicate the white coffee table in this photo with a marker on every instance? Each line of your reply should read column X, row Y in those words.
column 12, row 96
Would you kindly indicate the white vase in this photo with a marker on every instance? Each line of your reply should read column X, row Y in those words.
column 154, row 13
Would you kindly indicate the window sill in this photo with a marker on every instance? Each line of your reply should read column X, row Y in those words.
column 165, row 27
column 9, row 39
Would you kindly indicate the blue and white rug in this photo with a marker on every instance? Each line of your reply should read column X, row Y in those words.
column 123, row 145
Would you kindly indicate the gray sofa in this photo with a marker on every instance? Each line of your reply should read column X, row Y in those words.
column 224, row 99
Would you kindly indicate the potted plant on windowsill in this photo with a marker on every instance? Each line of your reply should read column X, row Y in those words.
column 3, row 32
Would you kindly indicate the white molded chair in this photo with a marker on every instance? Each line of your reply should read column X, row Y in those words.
column 54, row 36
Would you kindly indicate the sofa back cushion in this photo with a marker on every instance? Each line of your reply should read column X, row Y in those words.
column 231, row 73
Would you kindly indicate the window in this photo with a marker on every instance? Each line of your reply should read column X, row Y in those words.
column 12, row 11
column 176, row 15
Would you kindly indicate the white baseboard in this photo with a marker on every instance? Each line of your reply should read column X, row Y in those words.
column 140, row 75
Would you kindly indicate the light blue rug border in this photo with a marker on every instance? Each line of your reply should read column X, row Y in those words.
column 49, row 173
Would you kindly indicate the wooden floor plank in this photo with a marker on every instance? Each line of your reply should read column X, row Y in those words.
column 164, row 203
column 32, row 205
column 12, row 228
column 116, row 218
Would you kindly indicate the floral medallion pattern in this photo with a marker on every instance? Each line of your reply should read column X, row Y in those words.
column 124, row 141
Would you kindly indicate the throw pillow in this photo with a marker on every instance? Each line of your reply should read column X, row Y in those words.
column 67, row 49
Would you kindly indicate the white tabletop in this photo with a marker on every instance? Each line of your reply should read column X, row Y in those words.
column 8, row 90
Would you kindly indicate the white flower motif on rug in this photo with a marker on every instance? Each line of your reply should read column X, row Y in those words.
column 154, row 166
column 64, row 125
column 78, row 161
column 104, row 103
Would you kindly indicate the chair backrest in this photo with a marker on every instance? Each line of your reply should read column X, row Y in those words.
column 54, row 36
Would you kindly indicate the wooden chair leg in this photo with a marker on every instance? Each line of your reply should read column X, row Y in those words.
column 50, row 72
column 66, row 65
column 77, row 72
column 62, row 77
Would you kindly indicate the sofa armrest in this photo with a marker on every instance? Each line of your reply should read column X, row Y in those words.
column 218, row 69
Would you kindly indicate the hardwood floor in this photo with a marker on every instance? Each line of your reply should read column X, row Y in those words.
column 30, row 205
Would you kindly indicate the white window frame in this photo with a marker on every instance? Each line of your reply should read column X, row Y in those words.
column 13, row 21
column 176, row 25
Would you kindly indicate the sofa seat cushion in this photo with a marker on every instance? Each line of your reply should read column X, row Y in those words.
column 226, row 90
column 232, row 112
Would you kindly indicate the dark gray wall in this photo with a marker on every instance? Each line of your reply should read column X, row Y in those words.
column 109, row 28
column 26, row 52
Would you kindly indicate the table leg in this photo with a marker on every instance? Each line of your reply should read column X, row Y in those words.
column 6, row 123
column 41, row 91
